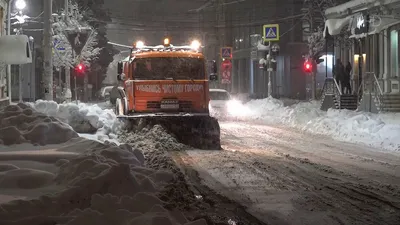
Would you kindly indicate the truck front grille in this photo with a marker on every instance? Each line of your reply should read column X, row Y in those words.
column 185, row 104
column 157, row 104
column 153, row 104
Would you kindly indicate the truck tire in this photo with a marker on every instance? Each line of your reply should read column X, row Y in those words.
column 115, row 93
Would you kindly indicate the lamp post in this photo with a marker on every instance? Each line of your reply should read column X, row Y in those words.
column 20, row 4
column 32, row 75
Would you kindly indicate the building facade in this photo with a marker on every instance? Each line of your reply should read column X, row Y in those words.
column 374, row 40
column 244, row 20
column 369, row 40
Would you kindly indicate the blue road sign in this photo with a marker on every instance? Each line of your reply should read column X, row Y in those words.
column 271, row 32
column 226, row 52
column 58, row 45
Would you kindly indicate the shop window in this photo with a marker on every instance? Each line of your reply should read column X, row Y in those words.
column 394, row 53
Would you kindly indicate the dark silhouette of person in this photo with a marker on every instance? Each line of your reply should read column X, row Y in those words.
column 347, row 78
column 339, row 73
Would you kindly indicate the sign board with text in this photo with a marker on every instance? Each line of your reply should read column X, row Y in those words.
column 226, row 72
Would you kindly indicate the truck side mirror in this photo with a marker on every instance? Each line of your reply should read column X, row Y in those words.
column 213, row 77
column 121, row 77
column 120, row 68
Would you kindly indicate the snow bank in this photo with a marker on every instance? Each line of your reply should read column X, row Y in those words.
column 21, row 124
column 155, row 143
column 376, row 130
column 16, row 178
column 106, row 184
column 92, row 121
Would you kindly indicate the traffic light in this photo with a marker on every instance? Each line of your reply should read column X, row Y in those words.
column 307, row 67
column 80, row 68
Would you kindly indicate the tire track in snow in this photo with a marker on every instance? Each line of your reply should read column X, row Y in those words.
column 295, row 178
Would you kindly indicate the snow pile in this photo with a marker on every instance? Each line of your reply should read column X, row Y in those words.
column 106, row 184
column 21, row 124
column 12, row 177
column 83, row 118
column 344, row 125
column 156, row 143
column 154, row 137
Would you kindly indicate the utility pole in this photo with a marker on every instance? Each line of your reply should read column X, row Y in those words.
column 67, row 68
column 85, row 87
column 20, row 79
column 9, row 33
column 311, row 53
column 221, row 23
column 269, row 69
column 48, row 61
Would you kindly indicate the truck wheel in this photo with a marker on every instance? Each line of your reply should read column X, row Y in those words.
column 114, row 94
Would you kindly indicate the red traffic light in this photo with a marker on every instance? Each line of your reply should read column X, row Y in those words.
column 307, row 67
column 80, row 68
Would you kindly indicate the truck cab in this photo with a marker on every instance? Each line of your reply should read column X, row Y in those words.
column 164, row 79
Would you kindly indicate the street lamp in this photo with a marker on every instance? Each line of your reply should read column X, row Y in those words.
column 20, row 4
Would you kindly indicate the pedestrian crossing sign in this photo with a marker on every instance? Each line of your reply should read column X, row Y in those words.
column 226, row 52
column 271, row 32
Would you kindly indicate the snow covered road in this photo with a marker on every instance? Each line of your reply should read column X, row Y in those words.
column 285, row 176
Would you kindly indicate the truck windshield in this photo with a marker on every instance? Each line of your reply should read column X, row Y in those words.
column 182, row 68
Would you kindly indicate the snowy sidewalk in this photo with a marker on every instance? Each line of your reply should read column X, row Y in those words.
column 377, row 130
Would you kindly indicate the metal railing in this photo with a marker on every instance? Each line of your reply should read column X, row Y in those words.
column 331, row 87
column 371, row 84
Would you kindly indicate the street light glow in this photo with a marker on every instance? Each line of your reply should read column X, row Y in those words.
column 20, row 4
column 195, row 45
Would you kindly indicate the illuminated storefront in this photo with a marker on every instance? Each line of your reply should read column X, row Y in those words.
column 374, row 40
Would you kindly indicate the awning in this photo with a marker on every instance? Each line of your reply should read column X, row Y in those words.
column 335, row 26
column 377, row 25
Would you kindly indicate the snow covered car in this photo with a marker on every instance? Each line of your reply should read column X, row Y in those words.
column 104, row 93
column 222, row 105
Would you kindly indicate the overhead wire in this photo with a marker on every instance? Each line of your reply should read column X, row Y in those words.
column 200, row 24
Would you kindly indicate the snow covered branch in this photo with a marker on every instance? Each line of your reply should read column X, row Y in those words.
column 63, row 58
column 316, row 42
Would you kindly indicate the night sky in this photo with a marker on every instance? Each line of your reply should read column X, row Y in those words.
column 151, row 20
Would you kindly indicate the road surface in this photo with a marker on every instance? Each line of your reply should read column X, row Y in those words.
column 283, row 176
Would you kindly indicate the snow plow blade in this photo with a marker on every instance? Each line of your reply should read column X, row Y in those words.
column 199, row 131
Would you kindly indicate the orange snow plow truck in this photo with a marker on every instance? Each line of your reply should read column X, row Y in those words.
column 167, row 86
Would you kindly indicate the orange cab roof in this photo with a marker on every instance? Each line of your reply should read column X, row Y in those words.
column 154, row 54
